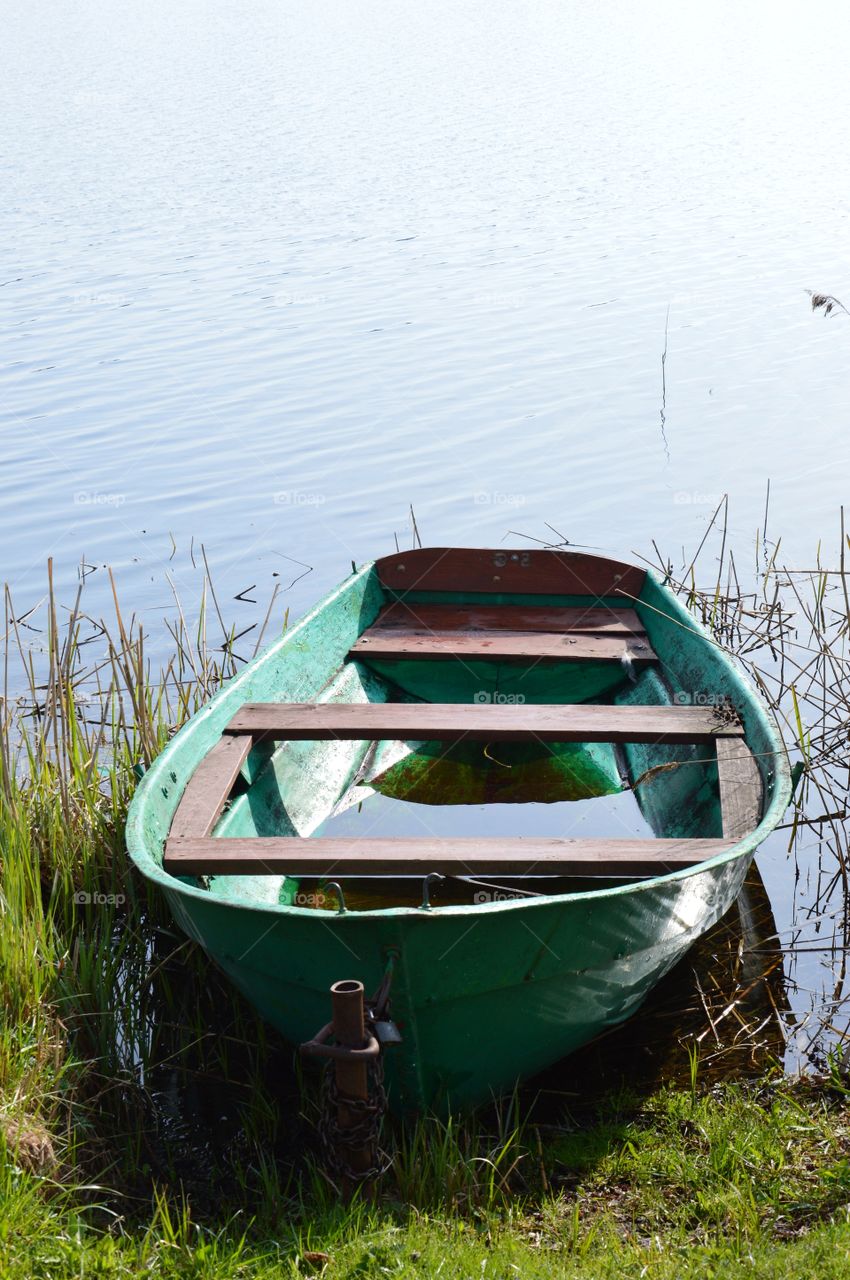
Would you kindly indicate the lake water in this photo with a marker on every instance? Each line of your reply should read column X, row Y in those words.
column 273, row 273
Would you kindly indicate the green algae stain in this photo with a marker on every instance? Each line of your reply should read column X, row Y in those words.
column 501, row 773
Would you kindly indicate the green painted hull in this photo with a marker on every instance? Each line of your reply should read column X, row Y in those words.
column 484, row 994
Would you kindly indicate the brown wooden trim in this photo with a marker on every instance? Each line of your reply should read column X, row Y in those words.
column 209, row 787
column 420, row 855
column 740, row 788
column 472, row 569
column 479, row 722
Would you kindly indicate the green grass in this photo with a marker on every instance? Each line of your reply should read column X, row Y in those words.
column 150, row 1124
column 740, row 1181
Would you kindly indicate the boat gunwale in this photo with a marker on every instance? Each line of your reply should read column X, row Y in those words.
column 139, row 851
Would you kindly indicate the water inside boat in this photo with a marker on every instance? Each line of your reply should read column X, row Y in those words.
column 389, row 812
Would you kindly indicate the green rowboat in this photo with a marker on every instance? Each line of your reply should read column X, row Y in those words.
column 510, row 683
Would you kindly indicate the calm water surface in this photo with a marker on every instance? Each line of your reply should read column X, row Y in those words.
column 272, row 273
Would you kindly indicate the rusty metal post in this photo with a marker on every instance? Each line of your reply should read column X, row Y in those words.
column 352, row 1077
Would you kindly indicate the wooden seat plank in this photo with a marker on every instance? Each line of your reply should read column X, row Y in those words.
column 209, row 787
column 480, row 722
column 508, row 633
column 508, row 617
column 531, row 855
column 503, row 646
column 740, row 788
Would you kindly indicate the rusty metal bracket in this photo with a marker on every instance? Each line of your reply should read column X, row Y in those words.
column 319, row 1047
column 353, row 1096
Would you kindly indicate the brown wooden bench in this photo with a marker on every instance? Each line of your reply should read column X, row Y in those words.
column 417, row 856
column 478, row 722
column 507, row 633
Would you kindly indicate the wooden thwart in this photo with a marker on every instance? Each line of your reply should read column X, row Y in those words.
column 479, row 722
column 399, row 616
column 209, row 787
column 505, row 646
column 322, row 856
column 506, row 633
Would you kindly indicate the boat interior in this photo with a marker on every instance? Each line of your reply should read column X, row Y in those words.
column 497, row 705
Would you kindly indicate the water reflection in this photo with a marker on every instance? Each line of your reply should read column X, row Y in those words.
column 815, row 943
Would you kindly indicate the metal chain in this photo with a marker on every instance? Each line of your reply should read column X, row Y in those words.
column 366, row 1132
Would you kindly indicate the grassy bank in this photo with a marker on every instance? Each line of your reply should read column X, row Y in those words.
column 736, row 1181
column 150, row 1124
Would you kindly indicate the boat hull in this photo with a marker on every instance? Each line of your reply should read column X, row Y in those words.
column 486, row 993
column 481, row 1001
